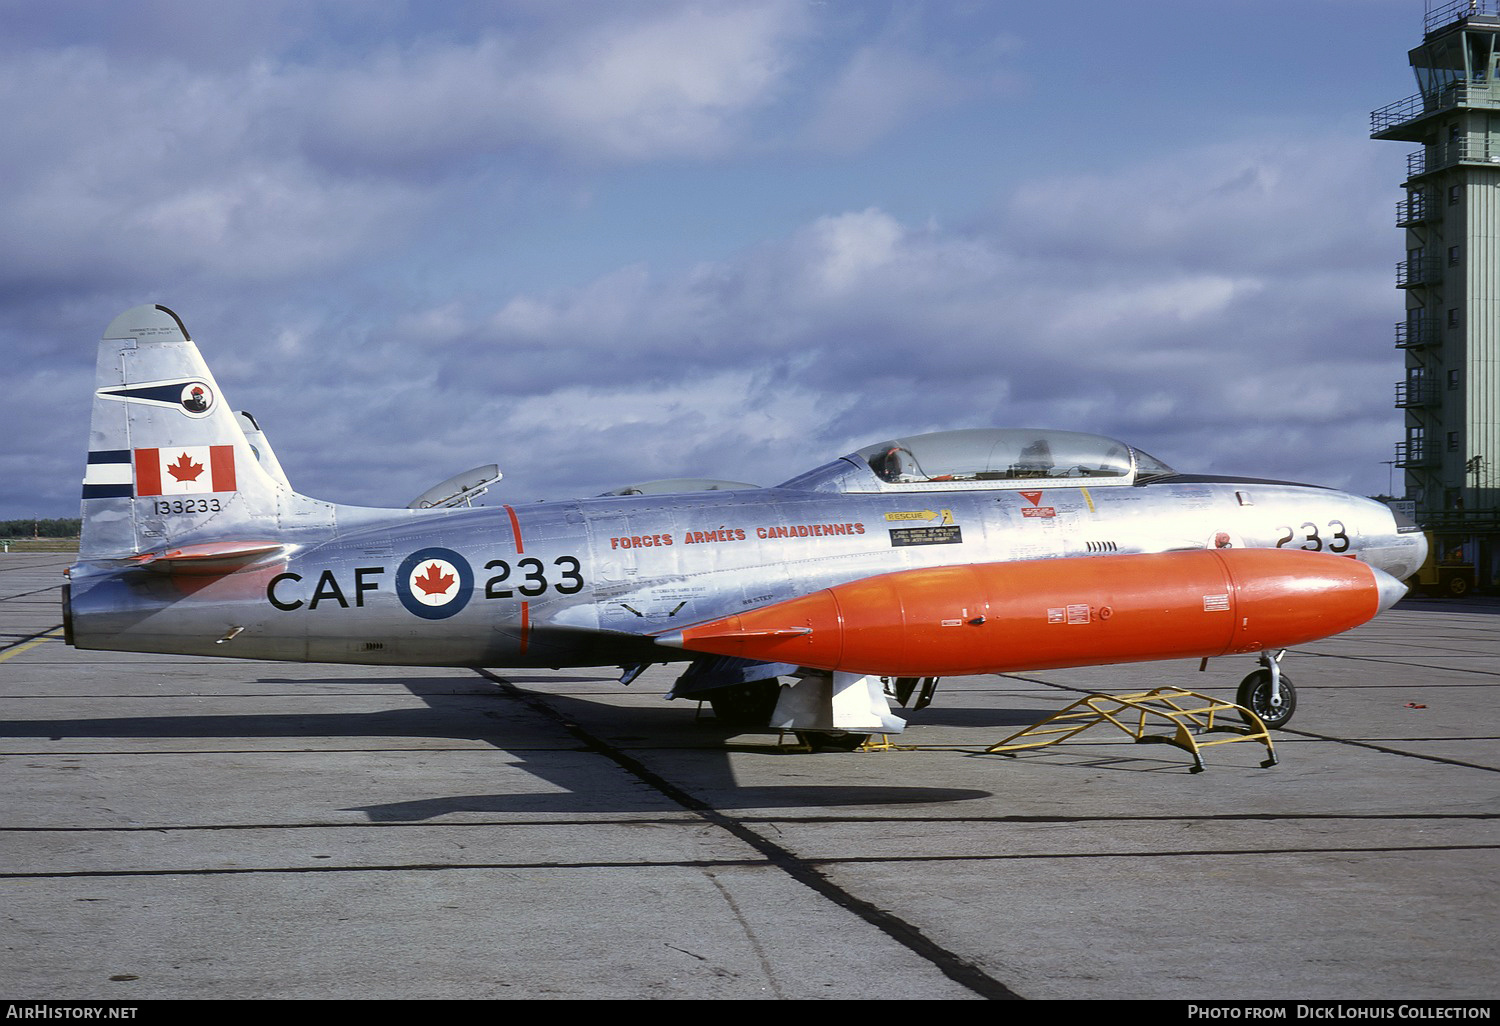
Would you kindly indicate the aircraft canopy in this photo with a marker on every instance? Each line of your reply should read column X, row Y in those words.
column 989, row 457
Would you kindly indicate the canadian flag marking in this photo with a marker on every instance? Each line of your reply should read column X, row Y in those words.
column 185, row 470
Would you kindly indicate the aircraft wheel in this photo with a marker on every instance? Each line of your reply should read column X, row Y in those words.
column 1255, row 695
column 822, row 741
column 745, row 705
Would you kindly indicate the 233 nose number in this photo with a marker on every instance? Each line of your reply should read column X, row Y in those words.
column 533, row 577
column 1311, row 537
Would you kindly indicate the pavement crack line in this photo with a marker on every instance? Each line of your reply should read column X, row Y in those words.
column 1387, row 750
column 668, row 821
column 709, row 865
column 950, row 963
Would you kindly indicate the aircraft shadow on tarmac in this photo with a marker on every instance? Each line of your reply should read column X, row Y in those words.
column 781, row 799
column 526, row 726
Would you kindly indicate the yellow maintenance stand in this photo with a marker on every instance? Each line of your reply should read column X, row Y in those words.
column 1190, row 714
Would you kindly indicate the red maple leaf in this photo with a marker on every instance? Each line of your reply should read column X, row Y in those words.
column 434, row 582
column 185, row 469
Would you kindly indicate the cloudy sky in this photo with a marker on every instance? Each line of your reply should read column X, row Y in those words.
column 607, row 242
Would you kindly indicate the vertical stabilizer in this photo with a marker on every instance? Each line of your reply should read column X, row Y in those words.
column 168, row 462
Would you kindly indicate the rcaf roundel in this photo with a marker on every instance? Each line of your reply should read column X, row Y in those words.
column 434, row 583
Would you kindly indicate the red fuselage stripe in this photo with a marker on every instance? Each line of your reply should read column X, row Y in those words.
column 515, row 530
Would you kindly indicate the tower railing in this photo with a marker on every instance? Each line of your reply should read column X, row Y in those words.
column 1442, row 13
column 1416, row 393
column 1421, row 105
column 1413, row 210
column 1415, row 454
column 1412, row 273
column 1408, row 108
column 1441, row 155
column 1417, row 333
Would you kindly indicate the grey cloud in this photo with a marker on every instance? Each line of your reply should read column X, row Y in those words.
column 1217, row 305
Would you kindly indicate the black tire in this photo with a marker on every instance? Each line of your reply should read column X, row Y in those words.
column 748, row 705
column 821, row 741
column 1255, row 695
column 1458, row 586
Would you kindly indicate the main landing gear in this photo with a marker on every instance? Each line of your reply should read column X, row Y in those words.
column 902, row 688
column 1268, row 693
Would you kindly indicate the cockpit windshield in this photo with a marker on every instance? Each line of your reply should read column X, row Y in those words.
column 985, row 458
column 1007, row 456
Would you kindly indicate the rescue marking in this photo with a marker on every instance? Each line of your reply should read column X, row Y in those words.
column 943, row 517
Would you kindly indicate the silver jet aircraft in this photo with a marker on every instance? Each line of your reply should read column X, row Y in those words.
column 802, row 607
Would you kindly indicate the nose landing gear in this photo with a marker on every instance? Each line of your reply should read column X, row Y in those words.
column 1268, row 692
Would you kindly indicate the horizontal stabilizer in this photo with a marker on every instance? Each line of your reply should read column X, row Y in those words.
column 260, row 446
column 208, row 558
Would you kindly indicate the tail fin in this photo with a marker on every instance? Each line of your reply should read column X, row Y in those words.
column 168, row 462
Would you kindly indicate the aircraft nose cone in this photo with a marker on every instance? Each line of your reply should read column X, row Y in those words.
column 1421, row 549
column 1390, row 590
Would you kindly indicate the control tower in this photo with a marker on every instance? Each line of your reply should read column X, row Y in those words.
column 1451, row 278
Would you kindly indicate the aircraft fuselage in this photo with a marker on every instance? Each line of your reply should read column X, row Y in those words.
column 592, row 582
column 950, row 553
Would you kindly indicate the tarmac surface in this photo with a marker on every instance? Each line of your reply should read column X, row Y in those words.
column 194, row 828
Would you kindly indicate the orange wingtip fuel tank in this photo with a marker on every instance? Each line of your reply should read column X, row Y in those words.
column 993, row 617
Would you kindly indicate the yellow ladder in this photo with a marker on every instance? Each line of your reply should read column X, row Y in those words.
column 1190, row 713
